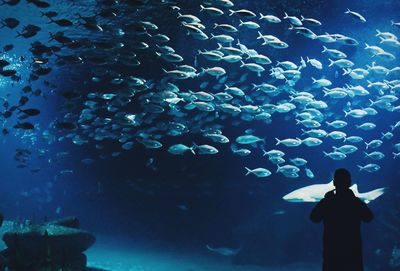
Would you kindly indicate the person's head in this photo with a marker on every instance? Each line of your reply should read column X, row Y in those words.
column 342, row 179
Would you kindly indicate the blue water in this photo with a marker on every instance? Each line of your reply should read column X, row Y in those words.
column 147, row 204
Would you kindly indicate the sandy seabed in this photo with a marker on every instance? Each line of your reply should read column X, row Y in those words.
column 124, row 257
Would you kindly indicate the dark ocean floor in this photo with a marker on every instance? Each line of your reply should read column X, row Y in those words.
column 109, row 255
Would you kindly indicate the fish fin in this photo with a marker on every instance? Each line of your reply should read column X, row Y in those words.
column 194, row 146
column 354, row 187
column 286, row 16
column 264, row 152
column 371, row 102
column 248, row 171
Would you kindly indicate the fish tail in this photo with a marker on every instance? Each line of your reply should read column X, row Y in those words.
column 324, row 49
column 194, row 146
column 366, row 145
column 241, row 22
column 371, row 102
column 215, row 25
column 259, row 35
column 278, row 168
column 286, row 16
column 392, row 127
column 366, row 155
column 264, row 152
column 291, row 27
column 201, row 8
column 366, row 46
column 231, row 12
column 242, row 63
column 302, row 17
column 346, row 113
column 277, row 141
column 331, row 62
column 325, row 153
column 347, row 11
column 261, row 16
column 248, row 171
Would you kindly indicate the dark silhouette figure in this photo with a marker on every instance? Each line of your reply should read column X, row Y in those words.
column 341, row 212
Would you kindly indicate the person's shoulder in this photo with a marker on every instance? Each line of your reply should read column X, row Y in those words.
column 330, row 194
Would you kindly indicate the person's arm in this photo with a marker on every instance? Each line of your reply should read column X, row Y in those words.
column 317, row 213
column 366, row 214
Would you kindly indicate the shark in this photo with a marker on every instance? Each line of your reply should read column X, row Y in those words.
column 316, row 192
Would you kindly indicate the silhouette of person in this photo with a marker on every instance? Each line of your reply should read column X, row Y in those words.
column 341, row 212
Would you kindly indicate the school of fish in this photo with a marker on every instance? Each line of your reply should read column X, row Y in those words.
column 223, row 84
